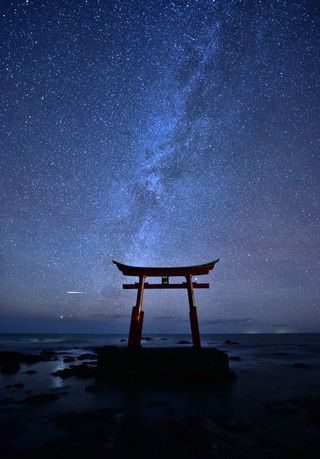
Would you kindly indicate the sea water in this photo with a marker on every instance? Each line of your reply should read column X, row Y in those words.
column 265, row 367
column 261, row 362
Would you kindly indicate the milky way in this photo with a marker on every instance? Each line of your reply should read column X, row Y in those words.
column 160, row 133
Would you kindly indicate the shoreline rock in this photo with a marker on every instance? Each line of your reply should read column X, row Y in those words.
column 38, row 399
column 81, row 371
column 300, row 365
column 10, row 362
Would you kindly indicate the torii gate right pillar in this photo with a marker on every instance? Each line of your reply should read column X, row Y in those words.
column 193, row 314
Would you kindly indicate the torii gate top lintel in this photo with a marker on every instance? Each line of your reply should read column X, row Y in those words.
column 165, row 271
column 135, row 332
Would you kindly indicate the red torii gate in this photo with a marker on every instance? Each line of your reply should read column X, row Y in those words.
column 136, row 323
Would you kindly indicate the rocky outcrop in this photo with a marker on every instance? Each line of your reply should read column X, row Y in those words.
column 10, row 362
column 81, row 371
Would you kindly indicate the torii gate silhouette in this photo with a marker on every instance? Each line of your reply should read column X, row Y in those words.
column 136, row 323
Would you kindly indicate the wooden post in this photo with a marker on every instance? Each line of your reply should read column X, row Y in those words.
column 193, row 314
column 136, row 323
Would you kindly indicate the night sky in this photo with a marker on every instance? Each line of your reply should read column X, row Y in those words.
column 160, row 132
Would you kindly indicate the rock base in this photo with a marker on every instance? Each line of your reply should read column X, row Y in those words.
column 163, row 364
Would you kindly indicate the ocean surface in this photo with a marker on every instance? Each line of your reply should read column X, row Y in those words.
column 276, row 391
column 293, row 342
column 271, row 355
column 281, row 364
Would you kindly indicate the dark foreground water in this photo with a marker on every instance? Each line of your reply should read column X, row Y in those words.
column 271, row 409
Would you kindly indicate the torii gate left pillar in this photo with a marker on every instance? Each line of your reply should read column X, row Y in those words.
column 136, row 323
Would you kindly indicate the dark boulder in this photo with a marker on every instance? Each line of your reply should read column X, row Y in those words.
column 38, row 399
column 87, row 357
column 231, row 424
column 7, row 401
column 163, row 364
column 18, row 385
column 10, row 367
column 10, row 361
column 69, row 359
column 300, row 365
column 92, row 388
column 85, row 418
column 80, row 371
column 48, row 353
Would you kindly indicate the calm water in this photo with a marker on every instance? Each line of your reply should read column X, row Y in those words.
column 265, row 373
column 246, row 346
column 266, row 361
column 295, row 342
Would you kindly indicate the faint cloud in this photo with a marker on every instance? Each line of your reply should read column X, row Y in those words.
column 165, row 318
column 108, row 316
column 229, row 321
column 118, row 316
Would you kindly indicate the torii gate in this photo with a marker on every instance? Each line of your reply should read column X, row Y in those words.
column 135, row 332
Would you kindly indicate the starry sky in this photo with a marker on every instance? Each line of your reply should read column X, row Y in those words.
column 158, row 132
